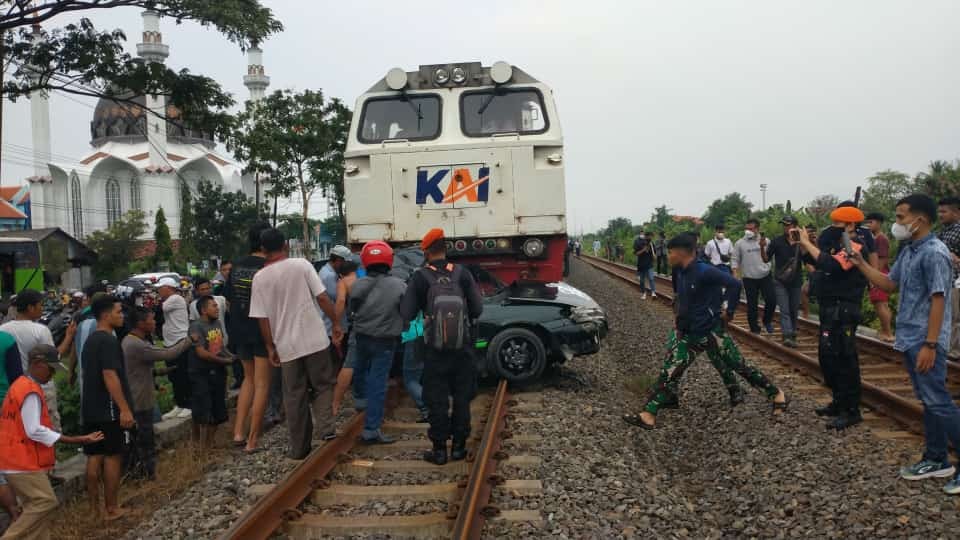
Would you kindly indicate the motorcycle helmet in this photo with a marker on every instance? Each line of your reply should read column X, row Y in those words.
column 376, row 252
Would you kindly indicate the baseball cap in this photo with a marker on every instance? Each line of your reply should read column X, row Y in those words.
column 340, row 251
column 788, row 220
column 168, row 282
column 48, row 353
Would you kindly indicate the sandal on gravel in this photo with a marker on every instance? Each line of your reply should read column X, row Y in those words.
column 634, row 419
column 240, row 444
column 782, row 407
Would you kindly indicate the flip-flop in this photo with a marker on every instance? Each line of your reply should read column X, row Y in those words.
column 240, row 444
column 782, row 407
column 635, row 420
column 120, row 513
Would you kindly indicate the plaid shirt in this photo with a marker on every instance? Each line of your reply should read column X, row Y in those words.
column 950, row 236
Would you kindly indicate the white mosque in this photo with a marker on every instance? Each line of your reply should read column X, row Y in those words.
column 136, row 161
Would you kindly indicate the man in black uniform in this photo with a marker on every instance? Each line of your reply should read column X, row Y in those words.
column 448, row 369
column 840, row 295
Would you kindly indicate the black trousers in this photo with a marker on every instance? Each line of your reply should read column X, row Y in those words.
column 141, row 457
column 837, row 350
column 446, row 375
column 662, row 266
column 753, row 288
column 180, row 380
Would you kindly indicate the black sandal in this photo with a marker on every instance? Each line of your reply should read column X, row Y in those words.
column 634, row 419
column 780, row 406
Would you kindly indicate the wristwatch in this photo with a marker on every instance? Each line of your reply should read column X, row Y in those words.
column 930, row 344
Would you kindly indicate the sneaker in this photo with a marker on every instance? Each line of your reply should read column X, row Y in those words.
column 184, row 413
column 929, row 469
column 953, row 486
column 643, row 296
column 653, row 295
column 172, row 413
column 769, row 329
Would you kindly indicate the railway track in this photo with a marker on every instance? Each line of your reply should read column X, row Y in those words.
column 319, row 497
column 886, row 385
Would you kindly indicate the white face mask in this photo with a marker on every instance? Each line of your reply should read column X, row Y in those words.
column 749, row 234
column 719, row 236
column 903, row 232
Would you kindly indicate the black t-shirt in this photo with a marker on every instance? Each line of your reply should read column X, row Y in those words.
column 100, row 352
column 781, row 254
column 645, row 259
column 241, row 328
column 837, row 282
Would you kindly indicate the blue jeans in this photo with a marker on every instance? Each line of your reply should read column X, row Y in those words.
column 941, row 417
column 647, row 275
column 413, row 371
column 788, row 299
column 374, row 359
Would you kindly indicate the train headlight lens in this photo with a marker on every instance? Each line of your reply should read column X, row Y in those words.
column 441, row 76
column 458, row 75
column 491, row 244
column 533, row 247
column 503, row 243
column 460, row 245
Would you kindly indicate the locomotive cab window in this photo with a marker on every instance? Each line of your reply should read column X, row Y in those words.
column 495, row 111
column 410, row 117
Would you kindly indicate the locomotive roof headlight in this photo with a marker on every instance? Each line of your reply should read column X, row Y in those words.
column 533, row 247
column 501, row 72
column 396, row 79
column 441, row 76
column 458, row 75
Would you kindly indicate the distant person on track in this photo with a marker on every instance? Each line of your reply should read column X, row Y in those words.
column 948, row 211
column 577, row 247
column 785, row 255
column 841, row 291
column 26, row 445
column 718, row 251
column 285, row 297
column 878, row 297
column 748, row 264
column 700, row 327
column 450, row 301
column 620, row 252
column 596, row 248
column 660, row 250
column 923, row 273
column 377, row 323
column 643, row 250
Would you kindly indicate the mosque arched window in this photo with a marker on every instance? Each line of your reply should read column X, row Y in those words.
column 76, row 207
column 135, row 193
column 113, row 201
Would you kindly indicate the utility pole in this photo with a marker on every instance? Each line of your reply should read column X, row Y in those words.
column 763, row 196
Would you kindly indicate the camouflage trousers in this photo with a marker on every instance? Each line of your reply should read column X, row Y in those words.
column 723, row 354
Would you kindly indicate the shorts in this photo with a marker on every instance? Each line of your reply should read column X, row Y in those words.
column 350, row 362
column 246, row 351
column 115, row 439
column 209, row 399
column 877, row 294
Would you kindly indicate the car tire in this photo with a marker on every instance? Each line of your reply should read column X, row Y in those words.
column 517, row 355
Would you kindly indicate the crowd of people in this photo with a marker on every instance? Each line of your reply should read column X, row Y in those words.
column 836, row 268
column 301, row 339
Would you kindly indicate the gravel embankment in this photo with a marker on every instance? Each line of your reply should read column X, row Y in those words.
column 708, row 471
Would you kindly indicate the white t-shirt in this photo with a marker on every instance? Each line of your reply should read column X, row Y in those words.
column 28, row 334
column 726, row 248
column 175, row 322
column 285, row 293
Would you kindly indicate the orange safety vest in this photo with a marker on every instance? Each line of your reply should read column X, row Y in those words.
column 17, row 451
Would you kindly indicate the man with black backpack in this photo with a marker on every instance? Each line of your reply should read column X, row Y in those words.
column 450, row 300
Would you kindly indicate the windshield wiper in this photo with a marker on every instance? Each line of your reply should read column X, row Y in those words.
column 487, row 102
column 416, row 111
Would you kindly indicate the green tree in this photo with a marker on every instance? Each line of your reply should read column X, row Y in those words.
column 884, row 189
column 297, row 140
column 79, row 59
column 222, row 219
column 115, row 244
column 55, row 261
column 941, row 179
column 187, row 251
column 292, row 225
column 733, row 206
column 161, row 235
column 662, row 216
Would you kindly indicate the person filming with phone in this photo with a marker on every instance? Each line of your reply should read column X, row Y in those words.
column 840, row 295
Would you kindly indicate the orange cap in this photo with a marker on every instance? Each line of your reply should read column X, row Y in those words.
column 847, row 214
column 432, row 236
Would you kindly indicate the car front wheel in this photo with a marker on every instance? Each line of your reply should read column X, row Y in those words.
column 517, row 355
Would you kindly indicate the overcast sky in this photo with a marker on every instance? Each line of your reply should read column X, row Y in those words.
column 672, row 103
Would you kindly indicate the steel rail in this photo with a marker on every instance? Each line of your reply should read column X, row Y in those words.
column 907, row 412
column 280, row 504
column 473, row 507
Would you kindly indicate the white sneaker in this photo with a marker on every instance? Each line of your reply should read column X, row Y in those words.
column 653, row 295
column 185, row 413
column 643, row 296
column 172, row 413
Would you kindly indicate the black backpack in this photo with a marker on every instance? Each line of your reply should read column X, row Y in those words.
column 445, row 317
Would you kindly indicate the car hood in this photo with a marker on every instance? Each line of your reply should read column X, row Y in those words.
column 553, row 293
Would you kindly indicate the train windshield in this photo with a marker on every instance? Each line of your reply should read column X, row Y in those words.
column 410, row 117
column 503, row 111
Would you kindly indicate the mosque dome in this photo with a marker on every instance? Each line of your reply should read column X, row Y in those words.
column 125, row 122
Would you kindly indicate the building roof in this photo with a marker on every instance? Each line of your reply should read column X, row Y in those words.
column 82, row 253
column 7, row 192
column 9, row 211
column 126, row 121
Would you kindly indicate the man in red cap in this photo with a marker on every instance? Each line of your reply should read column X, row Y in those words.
column 450, row 300
column 840, row 296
